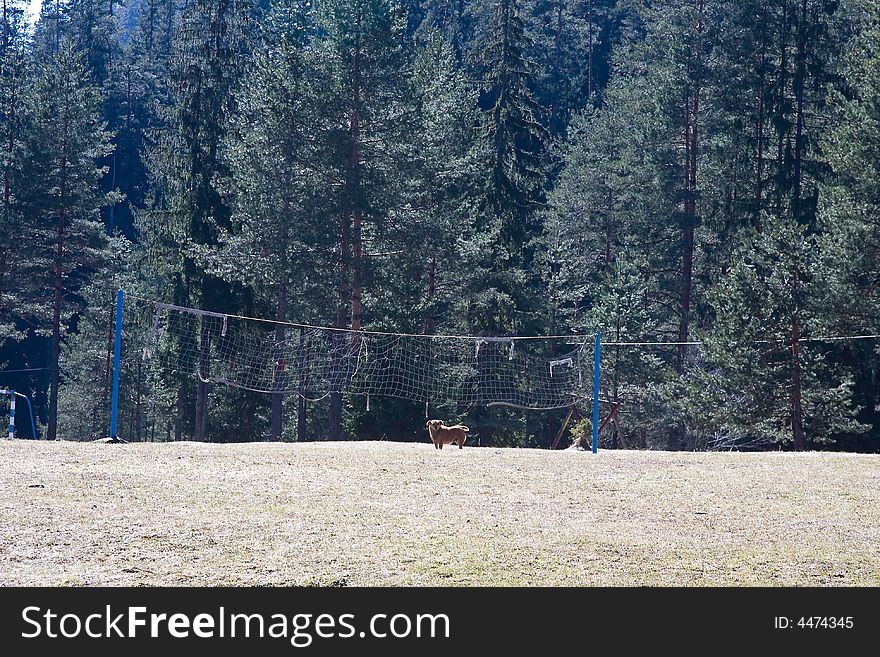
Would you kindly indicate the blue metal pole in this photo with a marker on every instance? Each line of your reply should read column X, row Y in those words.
column 11, row 414
column 596, row 394
column 117, row 353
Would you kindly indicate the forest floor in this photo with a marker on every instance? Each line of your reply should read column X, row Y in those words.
column 396, row 514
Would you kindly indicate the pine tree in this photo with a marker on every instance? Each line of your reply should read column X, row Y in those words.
column 156, row 23
column 606, row 219
column 372, row 122
column 849, row 216
column 451, row 19
column 637, row 378
column 86, row 358
column 763, row 379
column 273, row 146
column 51, row 27
column 131, row 95
column 209, row 53
column 65, row 138
column 137, row 91
column 445, row 190
column 850, row 205
column 627, row 186
column 422, row 285
column 14, row 64
column 663, row 89
column 516, row 138
column 513, row 128
column 92, row 26
column 567, row 44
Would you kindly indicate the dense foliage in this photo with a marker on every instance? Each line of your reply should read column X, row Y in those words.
column 701, row 173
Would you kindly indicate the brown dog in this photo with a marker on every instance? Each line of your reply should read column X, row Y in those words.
column 443, row 435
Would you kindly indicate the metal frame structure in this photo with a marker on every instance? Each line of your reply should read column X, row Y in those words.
column 12, row 395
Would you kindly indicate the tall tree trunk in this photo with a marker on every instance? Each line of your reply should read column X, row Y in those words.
column 692, row 142
column 351, row 254
column 781, row 92
column 10, row 147
column 57, row 34
column 55, row 355
column 797, row 414
column 357, row 279
column 168, row 32
column 178, row 413
column 799, row 84
column 762, row 90
column 354, row 184
column 280, row 367
column 555, row 110
column 590, row 51
column 55, row 352
column 338, row 338
column 151, row 23
column 304, row 352
column 431, row 292
column 137, row 403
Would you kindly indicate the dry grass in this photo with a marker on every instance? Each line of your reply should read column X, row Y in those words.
column 403, row 514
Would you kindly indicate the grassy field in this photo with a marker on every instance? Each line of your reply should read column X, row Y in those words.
column 379, row 513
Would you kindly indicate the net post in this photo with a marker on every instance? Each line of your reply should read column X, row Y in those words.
column 11, row 414
column 117, row 353
column 596, row 394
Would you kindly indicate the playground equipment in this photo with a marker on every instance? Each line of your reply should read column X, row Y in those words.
column 12, row 395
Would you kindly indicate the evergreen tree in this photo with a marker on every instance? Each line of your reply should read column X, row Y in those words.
column 137, row 91
column 421, row 286
column 453, row 20
column 849, row 217
column 207, row 59
column 519, row 166
column 573, row 62
column 51, row 27
column 850, row 206
column 764, row 379
column 130, row 108
column 516, row 139
column 14, row 65
column 65, row 138
column 92, row 26
column 444, row 192
column 628, row 186
column 275, row 141
column 154, row 31
column 639, row 379
column 86, row 359
column 609, row 237
column 372, row 119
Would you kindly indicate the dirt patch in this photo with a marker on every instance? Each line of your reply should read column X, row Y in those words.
column 380, row 513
